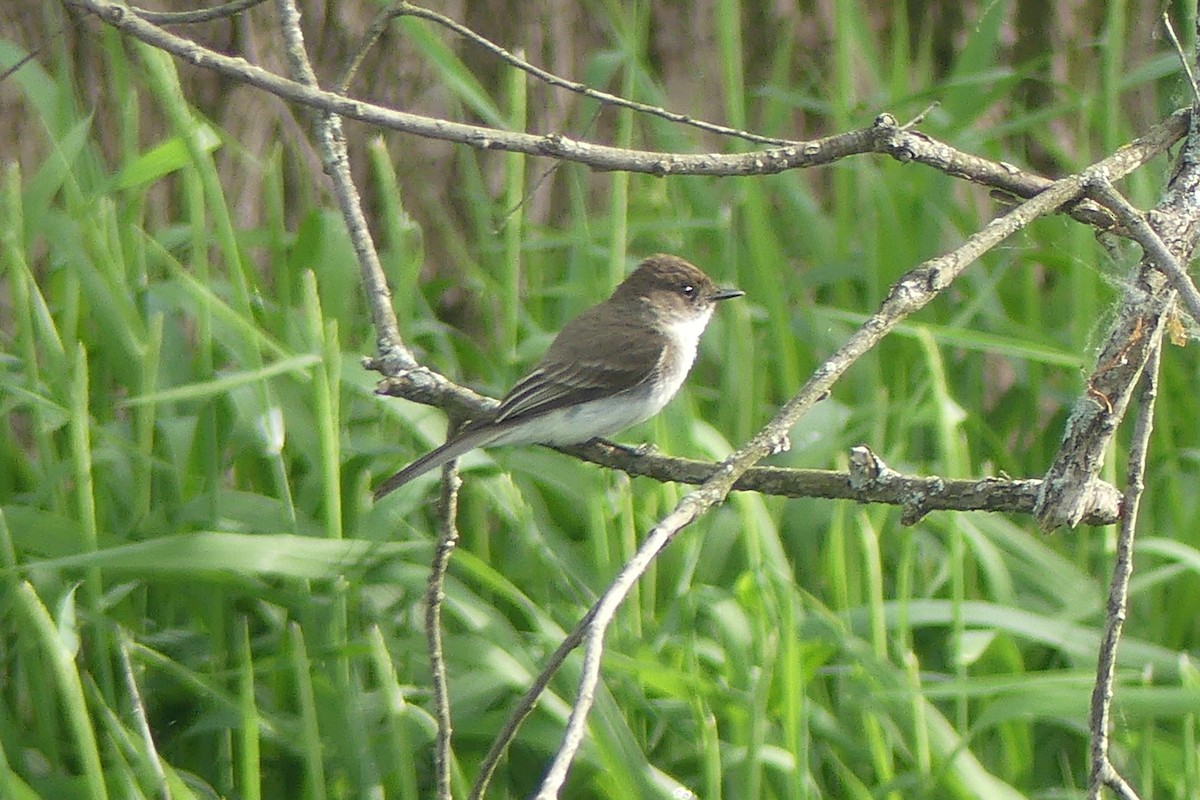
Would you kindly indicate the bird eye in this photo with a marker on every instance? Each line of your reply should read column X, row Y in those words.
column 689, row 290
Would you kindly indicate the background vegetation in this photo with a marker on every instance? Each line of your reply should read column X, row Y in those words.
column 198, row 592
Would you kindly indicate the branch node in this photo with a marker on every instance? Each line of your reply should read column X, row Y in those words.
column 866, row 468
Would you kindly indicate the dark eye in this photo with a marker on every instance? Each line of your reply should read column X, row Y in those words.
column 688, row 290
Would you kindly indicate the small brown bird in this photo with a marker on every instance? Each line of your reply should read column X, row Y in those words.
column 615, row 365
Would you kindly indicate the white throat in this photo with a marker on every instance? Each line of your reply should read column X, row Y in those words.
column 685, row 332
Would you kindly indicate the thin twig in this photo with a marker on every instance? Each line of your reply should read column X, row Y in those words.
column 1102, row 771
column 199, row 15
column 434, row 598
column 337, row 165
column 369, row 39
column 403, row 9
column 33, row 53
column 525, row 706
column 1183, row 59
column 919, row 118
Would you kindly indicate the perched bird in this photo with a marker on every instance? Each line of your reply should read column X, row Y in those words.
column 615, row 365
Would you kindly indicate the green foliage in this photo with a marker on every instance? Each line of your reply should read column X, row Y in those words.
column 188, row 443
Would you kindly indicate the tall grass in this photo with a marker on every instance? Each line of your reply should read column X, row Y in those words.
column 189, row 441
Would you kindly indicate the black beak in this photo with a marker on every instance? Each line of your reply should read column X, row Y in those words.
column 725, row 294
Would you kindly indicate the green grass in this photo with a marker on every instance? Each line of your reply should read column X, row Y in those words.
column 189, row 441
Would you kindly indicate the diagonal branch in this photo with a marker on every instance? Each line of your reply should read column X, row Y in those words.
column 1142, row 232
column 332, row 142
column 911, row 293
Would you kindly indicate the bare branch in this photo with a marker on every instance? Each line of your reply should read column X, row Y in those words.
column 1070, row 491
column 525, row 706
column 1177, row 220
column 392, row 351
column 434, row 597
column 918, row 495
column 689, row 509
column 370, row 38
column 1069, row 483
column 199, row 15
column 333, row 147
column 1102, row 771
column 885, row 136
column 34, row 53
column 1183, row 59
column 403, row 9
column 868, row 481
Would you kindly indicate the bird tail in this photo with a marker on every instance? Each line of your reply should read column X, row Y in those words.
column 453, row 448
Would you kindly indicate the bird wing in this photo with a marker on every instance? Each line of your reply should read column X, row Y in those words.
column 573, row 372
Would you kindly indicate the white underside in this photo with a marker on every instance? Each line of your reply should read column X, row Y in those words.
column 611, row 415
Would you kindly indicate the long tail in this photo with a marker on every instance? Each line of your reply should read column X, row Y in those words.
column 453, row 448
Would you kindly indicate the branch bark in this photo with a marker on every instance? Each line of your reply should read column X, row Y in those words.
column 1068, row 486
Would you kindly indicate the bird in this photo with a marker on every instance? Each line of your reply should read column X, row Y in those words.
column 614, row 365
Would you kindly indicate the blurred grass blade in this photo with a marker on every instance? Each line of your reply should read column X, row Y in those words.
column 70, row 688
column 163, row 159
column 222, row 386
column 245, row 555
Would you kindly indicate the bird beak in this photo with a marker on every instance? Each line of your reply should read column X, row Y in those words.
column 725, row 294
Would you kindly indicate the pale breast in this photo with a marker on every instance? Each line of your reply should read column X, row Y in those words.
column 611, row 415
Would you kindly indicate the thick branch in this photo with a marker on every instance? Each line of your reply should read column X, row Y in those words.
column 1069, row 482
column 868, row 481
